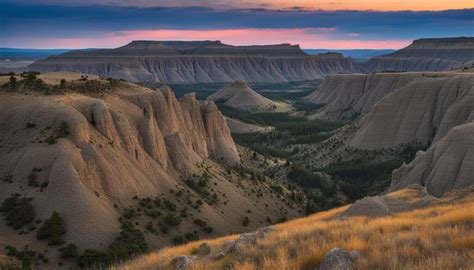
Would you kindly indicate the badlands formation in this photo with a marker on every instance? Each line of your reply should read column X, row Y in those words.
column 434, row 109
column 240, row 96
column 212, row 61
column 96, row 153
column 435, row 54
column 199, row 62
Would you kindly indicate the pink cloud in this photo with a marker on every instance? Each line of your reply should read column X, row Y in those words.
column 306, row 37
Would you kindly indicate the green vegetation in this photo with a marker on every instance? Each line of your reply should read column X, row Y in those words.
column 52, row 230
column 275, row 91
column 17, row 211
column 289, row 130
column 130, row 242
column 69, row 252
column 306, row 179
column 93, row 258
column 83, row 85
column 61, row 131
column 246, row 221
column 172, row 220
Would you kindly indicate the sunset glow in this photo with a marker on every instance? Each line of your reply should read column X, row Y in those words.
column 306, row 38
column 385, row 5
column 350, row 24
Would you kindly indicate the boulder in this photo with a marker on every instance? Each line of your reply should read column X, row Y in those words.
column 338, row 259
column 182, row 262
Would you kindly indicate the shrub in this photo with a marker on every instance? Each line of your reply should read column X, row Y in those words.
column 246, row 222
column 208, row 229
column 63, row 130
column 53, row 230
column 51, row 140
column 30, row 125
column 69, row 252
column 91, row 258
column 199, row 222
column 32, row 182
column 130, row 242
column 178, row 240
column 12, row 81
column 172, row 219
column 17, row 211
column 11, row 250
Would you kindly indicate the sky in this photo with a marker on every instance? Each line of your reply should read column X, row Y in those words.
column 328, row 24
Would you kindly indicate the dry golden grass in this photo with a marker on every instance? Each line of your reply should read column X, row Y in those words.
column 436, row 237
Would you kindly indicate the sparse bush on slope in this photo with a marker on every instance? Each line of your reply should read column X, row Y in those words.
column 435, row 237
column 17, row 211
column 53, row 230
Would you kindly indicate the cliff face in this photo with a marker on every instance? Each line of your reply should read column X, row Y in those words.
column 427, row 55
column 447, row 165
column 199, row 62
column 397, row 108
column 134, row 142
column 346, row 96
column 422, row 111
column 435, row 109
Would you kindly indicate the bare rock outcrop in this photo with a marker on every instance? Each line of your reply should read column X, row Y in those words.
column 447, row 164
column 385, row 205
column 239, row 95
column 199, row 62
column 132, row 142
column 421, row 112
column 347, row 96
column 338, row 259
column 183, row 262
column 435, row 54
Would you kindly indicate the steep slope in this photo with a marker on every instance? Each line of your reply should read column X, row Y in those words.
column 199, row 62
column 420, row 112
column 238, row 127
column 239, row 95
column 427, row 55
column 430, row 235
column 98, row 154
column 447, row 165
column 350, row 95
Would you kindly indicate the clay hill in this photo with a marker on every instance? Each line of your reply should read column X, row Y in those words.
column 239, row 95
column 406, row 229
column 199, row 62
column 435, row 54
column 101, row 152
column 432, row 109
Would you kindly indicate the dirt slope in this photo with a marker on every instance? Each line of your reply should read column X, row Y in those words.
column 239, row 95
column 431, row 235
column 128, row 142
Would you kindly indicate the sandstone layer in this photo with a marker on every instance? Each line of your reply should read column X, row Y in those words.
column 435, row 54
column 447, row 164
column 422, row 112
column 199, row 62
column 114, row 147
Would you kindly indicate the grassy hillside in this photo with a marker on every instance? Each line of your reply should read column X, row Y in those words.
column 438, row 236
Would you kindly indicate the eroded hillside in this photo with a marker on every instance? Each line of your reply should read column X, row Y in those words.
column 199, row 62
column 109, row 156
